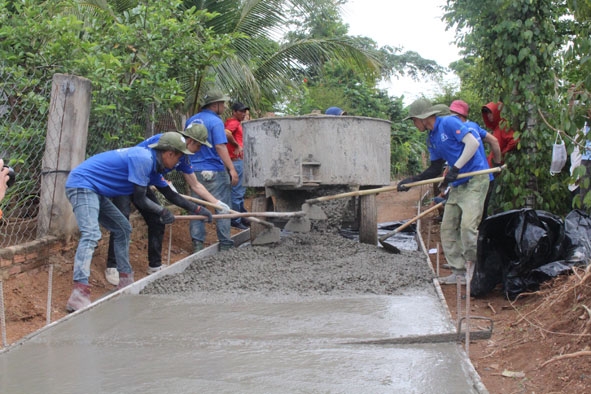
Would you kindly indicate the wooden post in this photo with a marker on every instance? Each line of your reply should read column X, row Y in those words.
column 368, row 220
column 65, row 148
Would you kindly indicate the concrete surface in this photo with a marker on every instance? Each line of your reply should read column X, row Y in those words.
column 267, row 320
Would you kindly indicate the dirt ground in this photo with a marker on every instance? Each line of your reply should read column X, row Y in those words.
column 540, row 342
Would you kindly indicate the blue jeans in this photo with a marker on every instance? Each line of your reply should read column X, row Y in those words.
column 91, row 211
column 220, row 187
column 239, row 190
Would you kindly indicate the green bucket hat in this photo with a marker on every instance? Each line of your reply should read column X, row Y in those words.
column 214, row 96
column 171, row 141
column 421, row 109
column 197, row 131
column 441, row 109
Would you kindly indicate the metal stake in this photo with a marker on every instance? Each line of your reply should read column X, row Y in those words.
column 2, row 316
column 49, row 294
column 169, row 243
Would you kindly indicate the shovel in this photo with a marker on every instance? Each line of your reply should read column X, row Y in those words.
column 316, row 213
column 270, row 235
column 394, row 249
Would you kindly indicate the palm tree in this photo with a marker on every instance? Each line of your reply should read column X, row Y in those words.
column 261, row 68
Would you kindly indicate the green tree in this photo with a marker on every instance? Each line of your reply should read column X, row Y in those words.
column 511, row 48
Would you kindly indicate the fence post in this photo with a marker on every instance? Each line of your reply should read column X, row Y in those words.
column 65, row 148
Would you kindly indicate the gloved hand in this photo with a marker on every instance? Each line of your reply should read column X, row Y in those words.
column 166, row 217
column 225, row 208
column 450, row 176
column 497, row 164
column 199, row 210
column 401, row 188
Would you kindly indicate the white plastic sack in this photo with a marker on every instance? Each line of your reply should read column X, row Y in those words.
column 558, row 156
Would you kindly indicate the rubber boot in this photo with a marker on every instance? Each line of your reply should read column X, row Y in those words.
column 124, row 280
column 197, row 246
column 80, row 297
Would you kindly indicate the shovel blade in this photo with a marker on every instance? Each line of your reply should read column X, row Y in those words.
column 298, row 225
column 314, row 212
column 389, row 247
column 269, row 235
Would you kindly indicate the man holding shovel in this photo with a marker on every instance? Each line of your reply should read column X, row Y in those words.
column 452, row 141
column 90, row 188
column 195, row 135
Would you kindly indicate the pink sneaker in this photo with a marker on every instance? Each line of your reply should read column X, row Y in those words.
column 80, row 297
column 124, row 280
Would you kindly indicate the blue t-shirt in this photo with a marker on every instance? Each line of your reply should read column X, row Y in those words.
column 184, row 164
column 114, row 173
column 445, row 142
column 207, row 159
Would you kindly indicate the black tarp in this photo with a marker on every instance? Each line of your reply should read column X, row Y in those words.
column 522, row 248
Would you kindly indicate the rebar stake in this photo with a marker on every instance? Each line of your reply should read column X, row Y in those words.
column 2, row 316
column 49, row 294
column 169, row 244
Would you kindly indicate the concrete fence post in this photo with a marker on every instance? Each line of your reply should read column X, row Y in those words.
column 65, row 148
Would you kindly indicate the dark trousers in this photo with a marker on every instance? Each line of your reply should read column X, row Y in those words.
column 155, row 230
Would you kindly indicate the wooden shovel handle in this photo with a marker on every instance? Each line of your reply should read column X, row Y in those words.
column 389, row 188
column 411, row 221
column 215, row 206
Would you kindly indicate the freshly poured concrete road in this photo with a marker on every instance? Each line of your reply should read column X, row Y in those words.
column 244, row 342
column 162, row 344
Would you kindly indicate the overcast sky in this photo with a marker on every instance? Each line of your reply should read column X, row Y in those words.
column 415, row 25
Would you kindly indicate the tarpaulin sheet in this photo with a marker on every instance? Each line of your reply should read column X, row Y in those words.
column 522, row 248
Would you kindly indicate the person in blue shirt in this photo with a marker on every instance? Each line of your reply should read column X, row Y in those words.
column 196, row 136
column 213, row 167
column 90, row 188
column 451, row 141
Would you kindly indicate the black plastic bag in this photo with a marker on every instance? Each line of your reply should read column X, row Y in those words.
column 511, row 245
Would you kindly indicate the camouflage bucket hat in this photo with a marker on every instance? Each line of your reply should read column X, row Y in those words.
column 171, row 141
column 214, row 96
column 197, row 131
column 420, row 109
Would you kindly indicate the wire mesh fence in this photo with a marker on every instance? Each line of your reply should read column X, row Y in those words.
column 24, row 107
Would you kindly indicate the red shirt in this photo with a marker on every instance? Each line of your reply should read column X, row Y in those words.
column 235, row 127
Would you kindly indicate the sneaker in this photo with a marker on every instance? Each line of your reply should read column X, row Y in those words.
column 80, row 297
column 197, row 246
column 453, row 279
column 125, row 280
column 151, row 270
column 238, row 224
column 112, row 276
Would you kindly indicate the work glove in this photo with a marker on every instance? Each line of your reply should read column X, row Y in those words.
column 166, row 217
column 225, row 208
column 450, row 177
column 199, row 210
column 401, row 185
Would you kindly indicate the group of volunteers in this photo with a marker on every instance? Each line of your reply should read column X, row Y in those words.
column 102, row 188
column 456, row 144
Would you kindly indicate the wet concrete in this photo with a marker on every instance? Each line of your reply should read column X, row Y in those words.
column 272, row 319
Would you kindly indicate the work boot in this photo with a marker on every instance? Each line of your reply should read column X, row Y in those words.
column 197, row 246
column 112, row 276
column 454, row 277
column 80, row 297
column 224, row 247
column 125, row 280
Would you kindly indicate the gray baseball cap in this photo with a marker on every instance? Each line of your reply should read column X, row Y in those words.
column 171, row 141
